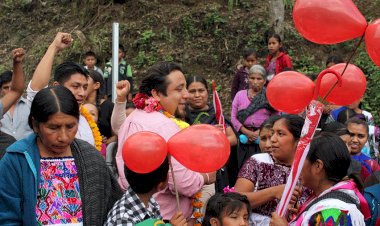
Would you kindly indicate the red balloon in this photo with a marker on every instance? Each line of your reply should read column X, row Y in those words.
column 372, row 40
column 201, row 148
column 290, row 92
column 352, row 88
column 328, row 21
column 144, row 152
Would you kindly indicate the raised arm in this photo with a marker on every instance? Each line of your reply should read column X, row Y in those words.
column 42, row 73
column 18, row 80
column 118, row 114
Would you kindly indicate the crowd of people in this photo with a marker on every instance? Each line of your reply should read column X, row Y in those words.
column 61, row 149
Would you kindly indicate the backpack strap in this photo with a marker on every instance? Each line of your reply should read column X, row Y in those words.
column 331, row 195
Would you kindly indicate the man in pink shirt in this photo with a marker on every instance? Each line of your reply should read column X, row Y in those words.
column 164, row 84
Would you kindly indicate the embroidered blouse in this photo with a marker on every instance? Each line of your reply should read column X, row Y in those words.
column 59, row 200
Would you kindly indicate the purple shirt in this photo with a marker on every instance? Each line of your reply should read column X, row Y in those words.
column 241, row 101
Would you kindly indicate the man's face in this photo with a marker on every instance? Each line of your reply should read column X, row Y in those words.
column 90, row 61
column 5, row 88
column 77, row 84
column 175, row 100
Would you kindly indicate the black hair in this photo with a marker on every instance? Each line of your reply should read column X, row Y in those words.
column 248, row 52
column 269, row 122
column 64, row 71
column 156, row 77
column 335, row 127
column 196, row 78
column 90, row 53
column 358, row 121
column 220, row 205
column 344, row 115
column 334, row 59
column 121, row 47
column 333, row 152
column 51, row 100
column 278, row 38
column 294, row 124
column 5, row 77
column 144, row 183
column 97, row 77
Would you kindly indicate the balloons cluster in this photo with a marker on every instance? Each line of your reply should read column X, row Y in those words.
column 291, row 91
column 201, row 148
column 332, row 21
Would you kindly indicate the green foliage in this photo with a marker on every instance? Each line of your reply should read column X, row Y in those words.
column 231, row 4
column 213, row 23
column 371, row 100
column 257, row 29
column 306, row 65
column 288, row 4
column 144, row 60
column 146, row 37
column 188, row 27
column 166, row 34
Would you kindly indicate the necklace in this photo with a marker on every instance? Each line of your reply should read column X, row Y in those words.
column 94, row 128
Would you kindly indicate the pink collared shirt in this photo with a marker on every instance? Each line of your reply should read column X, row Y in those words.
column 188, row 182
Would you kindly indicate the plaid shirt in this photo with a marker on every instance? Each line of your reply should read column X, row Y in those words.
column 129, row 210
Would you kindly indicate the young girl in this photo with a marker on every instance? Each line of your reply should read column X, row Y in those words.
column 240, row 81
column 265, row 134
column 230, row 209
column 277, row 60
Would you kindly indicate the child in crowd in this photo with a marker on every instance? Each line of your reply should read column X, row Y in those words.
column 94, row 112
column 240, row 81
column 229, row 209
column 90, row 60
column 125, row 73
column 265, row 134
column 138, row 204
column 358, row 130
column 277, row 60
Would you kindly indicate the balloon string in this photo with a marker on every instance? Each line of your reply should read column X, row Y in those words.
column 348, row 62
column 175, row 186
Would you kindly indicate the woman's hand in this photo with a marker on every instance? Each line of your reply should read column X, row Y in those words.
column 277, row 220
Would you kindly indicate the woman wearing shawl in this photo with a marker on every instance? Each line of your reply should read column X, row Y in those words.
column 250, row 109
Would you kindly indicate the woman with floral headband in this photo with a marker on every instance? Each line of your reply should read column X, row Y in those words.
column 162, row 96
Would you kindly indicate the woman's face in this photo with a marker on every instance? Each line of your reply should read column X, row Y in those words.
column 256, row 82
column 283, row 143
column 306, row 176
column 358, row 138
column 56, row 135
column 265, row 143
column 92, row 110
column 250, row 61
column 198, row 95
column 236, row 218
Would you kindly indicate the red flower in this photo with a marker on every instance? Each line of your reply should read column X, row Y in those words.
column 139, row 100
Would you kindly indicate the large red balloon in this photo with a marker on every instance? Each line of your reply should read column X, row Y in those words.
column 201, row 148
column 328, row 21
column 352, row 88
column 144, row 152
column 372, row 41
column 290, row 92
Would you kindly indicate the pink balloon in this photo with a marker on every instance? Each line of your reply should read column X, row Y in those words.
column 201, row 148
column 144, row 152
column 328, row 21
column 290, row 92
column 352, row 88
column 372, row 41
